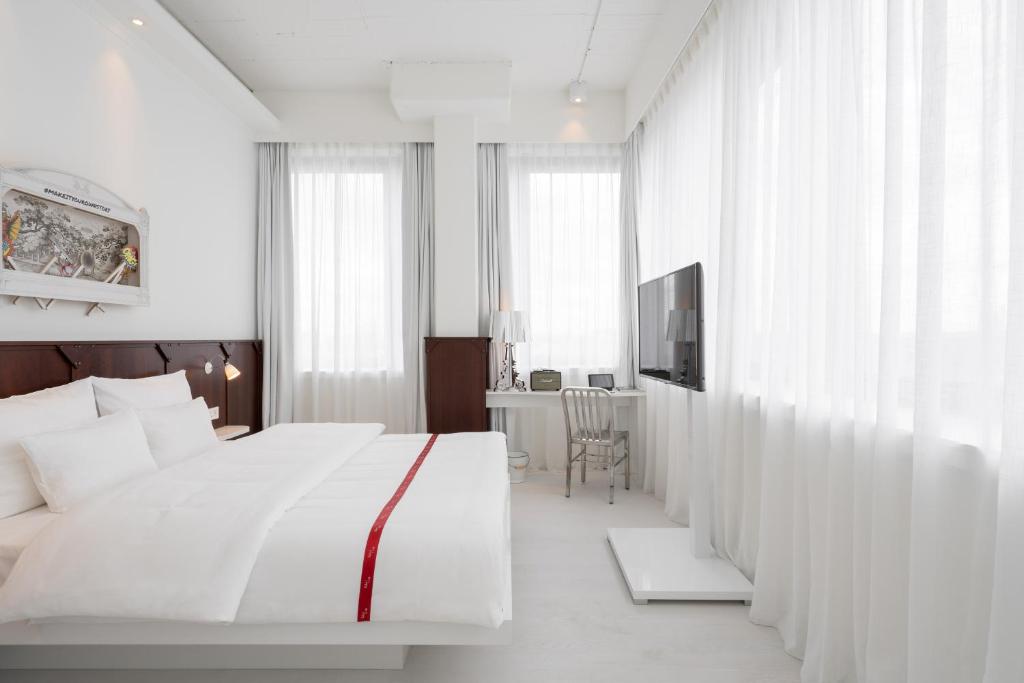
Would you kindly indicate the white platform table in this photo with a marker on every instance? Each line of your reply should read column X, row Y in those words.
column 552, row 399
column 659, row 565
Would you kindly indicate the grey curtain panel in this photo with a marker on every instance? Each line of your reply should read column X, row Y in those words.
column 629, row 207
column 495, row 242
column 274, row 279
column 495, row 257
column 495, row 232
column 418, row 270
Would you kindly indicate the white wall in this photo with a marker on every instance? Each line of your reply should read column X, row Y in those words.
column 79, row 99
column 549, row 117
column 456, row 276
column 367, row 116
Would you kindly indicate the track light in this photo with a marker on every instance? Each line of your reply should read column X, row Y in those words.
column 577, row 92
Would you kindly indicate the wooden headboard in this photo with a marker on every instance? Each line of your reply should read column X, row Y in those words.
column 30, row 366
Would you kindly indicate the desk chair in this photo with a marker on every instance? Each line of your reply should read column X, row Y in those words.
column 590, row 424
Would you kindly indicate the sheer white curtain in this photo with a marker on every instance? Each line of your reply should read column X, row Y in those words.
column 566, row 242
column 347, row 223
column 850, row 173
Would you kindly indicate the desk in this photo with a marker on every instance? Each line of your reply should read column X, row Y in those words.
column 544, row 438
column 553, row 399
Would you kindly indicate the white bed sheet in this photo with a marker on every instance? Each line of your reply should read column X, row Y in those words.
column 17, row 531
column 444, row 556
column 178, row 544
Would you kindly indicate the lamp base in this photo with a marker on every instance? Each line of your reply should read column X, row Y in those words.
column 517, row 383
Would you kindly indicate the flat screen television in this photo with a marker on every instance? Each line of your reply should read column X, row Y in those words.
column 672, row 328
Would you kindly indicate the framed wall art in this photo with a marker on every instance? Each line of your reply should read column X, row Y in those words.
column 67, row 238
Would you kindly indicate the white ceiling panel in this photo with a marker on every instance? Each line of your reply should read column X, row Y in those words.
column 345, row 44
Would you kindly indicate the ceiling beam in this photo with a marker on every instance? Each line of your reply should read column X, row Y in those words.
column 162, row 35
column 423, row 90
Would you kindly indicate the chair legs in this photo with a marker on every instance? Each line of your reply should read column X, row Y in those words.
column 583, row 469
column 568, row 468
column 627, row 460
column 611, row 477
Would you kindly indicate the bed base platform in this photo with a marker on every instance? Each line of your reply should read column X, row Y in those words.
column 151, row 645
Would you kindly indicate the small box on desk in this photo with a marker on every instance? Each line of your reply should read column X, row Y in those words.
column 545, row 380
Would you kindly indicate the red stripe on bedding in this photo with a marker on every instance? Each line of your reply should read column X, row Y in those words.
column 373, row 539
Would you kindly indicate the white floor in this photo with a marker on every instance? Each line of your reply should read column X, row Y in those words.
column 573, row 619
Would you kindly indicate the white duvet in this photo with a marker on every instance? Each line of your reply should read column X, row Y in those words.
column 271, row 529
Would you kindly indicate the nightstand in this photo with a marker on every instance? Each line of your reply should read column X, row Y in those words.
column 229, row 432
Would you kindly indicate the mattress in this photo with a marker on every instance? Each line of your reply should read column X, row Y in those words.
column 17, row 531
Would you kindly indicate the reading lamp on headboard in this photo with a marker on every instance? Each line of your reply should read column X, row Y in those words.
column 230, row 371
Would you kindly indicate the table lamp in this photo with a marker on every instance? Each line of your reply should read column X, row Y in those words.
column 509, row 328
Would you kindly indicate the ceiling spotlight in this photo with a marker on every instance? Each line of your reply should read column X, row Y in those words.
column 577, row 92
column 138, row 22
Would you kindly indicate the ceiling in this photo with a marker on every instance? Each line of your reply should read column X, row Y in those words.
column 348, row 44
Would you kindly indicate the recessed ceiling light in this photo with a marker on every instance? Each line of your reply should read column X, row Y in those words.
column 138, row 22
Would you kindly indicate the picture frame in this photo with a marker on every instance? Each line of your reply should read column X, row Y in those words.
column 69, row 238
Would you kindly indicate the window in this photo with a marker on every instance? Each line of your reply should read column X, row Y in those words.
column 565, row 225
column 347, row 258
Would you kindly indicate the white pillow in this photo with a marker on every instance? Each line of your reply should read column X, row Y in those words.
column 115, row 395
column 178, row 432
column 69, row 405
column 72, row 465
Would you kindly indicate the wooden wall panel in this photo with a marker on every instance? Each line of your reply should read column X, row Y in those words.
column 244, row 406
column 128, row 360
column 24, row 369
column 31, row 366
column 192, row 358
column 456, row 384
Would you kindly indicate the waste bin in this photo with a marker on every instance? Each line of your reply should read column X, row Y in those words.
column 517, row 462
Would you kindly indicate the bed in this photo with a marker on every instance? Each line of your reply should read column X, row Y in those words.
column 322, row 546
column 17, row 531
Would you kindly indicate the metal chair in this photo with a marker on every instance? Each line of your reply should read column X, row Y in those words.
column 590, row 424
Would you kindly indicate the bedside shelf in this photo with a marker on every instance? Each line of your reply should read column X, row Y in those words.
column 228, row 432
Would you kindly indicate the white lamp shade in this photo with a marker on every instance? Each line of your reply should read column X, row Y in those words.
column 231, row 372
column 510, row 327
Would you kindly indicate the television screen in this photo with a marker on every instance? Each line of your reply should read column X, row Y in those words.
column 672, row 328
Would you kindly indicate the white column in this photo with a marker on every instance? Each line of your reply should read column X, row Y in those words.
column 700, row 474
column 455, row 233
